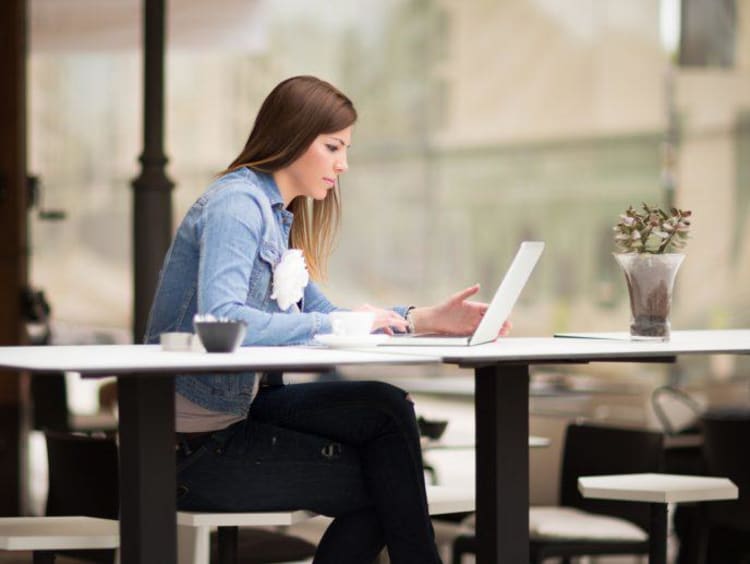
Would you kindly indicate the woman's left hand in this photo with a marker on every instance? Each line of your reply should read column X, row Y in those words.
column 386, row 319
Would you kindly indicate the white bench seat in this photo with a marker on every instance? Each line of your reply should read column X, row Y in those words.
column 194, row 527
column 58, row 533
column 260, row 519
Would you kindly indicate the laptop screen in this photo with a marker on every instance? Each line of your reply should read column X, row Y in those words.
column 508, row 292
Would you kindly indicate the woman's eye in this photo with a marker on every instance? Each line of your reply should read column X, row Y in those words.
column 332, row 148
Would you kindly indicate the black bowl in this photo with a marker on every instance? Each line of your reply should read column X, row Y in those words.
column 220, row 336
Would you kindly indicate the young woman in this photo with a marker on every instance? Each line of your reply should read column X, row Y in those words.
column 349, row 450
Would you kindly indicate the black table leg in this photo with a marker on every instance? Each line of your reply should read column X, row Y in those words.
column 227, row 539
column 502, row 461
column 43, row 557
column 148, row 500
column 657, row 543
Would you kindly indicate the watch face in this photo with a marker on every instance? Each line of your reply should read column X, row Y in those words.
column 410, row 320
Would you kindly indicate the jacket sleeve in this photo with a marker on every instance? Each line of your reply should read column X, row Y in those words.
column 315, row 300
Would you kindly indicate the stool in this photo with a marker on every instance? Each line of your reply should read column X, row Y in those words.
column 43, row 535
column 194, row 527
column 657, row 490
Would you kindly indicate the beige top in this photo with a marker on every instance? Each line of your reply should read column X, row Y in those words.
column 192, row 418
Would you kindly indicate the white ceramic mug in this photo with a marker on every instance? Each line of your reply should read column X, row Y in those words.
column 176, row 341
column 352, row 323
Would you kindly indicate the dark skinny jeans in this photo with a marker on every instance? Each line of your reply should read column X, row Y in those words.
column 349, row 450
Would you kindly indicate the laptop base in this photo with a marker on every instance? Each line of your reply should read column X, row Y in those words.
column 425, row 341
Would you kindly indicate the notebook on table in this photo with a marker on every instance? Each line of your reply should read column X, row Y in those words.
column 502, row 303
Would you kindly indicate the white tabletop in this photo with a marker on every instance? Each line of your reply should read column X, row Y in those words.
column 615, row 346
column 657, row 488
column 124, row 359
column 127, row 359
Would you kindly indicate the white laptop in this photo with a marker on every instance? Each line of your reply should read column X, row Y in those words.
column 498, row 311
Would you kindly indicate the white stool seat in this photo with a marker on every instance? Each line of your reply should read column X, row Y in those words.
column 441, row 500
column 265, row 518
column 194, row 527
column 57, row 533
column 657, row 488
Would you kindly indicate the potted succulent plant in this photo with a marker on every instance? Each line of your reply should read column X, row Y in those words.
column 649, row 244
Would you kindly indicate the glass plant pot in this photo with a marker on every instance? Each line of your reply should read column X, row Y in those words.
column 650, row 280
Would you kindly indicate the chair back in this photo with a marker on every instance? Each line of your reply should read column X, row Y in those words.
column 49, row 401
column 726, row 436
column 83, row 475
column 594, row 450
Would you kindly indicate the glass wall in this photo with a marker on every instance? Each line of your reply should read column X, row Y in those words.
column 482, row 124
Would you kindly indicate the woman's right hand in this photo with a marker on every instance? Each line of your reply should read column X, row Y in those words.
column 386, row 319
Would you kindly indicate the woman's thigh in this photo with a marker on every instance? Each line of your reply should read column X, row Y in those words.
column 254, row 466
column 350, row 412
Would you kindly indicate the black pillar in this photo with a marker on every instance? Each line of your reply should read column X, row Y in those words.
column 13, row 239
column 152, row 190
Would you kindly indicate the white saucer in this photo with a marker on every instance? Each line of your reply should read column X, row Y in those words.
column 345, row 341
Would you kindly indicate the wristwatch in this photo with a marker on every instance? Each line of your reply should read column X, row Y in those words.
column 409, row 319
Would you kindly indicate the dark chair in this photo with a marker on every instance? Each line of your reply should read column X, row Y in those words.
column 258, row 546
column 726, row 530
column 83, row 480
column 49, row 402
column 592, row 450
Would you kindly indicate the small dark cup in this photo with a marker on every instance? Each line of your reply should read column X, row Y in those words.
column 220, row 336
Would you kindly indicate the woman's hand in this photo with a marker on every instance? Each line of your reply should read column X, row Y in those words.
column 455, row 316
column 386, row 319
column 505, row 329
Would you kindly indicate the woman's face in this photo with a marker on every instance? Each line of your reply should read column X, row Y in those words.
column 316, row 171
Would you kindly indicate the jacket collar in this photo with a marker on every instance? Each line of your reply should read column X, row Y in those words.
column 270, row 188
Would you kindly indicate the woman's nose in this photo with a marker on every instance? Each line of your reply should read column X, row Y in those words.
column 341, row 166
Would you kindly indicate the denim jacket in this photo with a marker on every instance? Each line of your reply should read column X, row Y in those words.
column 221, row 262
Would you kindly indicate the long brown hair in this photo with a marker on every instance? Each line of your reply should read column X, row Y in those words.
column 291, row 117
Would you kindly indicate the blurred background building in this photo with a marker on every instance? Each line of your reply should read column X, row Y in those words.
column 482, row 123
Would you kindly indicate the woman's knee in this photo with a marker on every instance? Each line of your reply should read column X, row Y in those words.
column 384, row 392
column 389, row 399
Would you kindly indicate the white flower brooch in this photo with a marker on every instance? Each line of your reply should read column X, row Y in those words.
column 290, row 277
